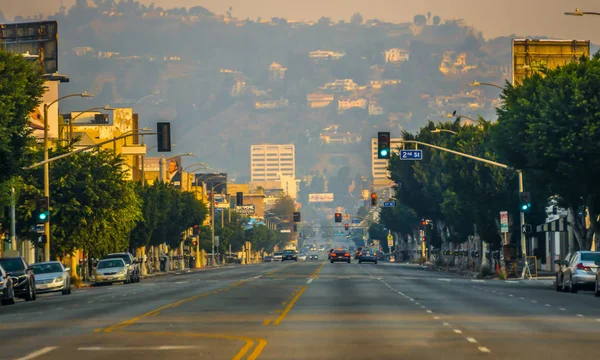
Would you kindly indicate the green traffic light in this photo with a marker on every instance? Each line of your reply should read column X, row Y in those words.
column 383, row 152
column 42, row 216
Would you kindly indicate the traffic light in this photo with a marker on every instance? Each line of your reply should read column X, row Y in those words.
column 338, row 217
column 525, row 201
column 239, row 198
column 196, row 230
column 163, row 137
column 43, row 212
column 373, row 199
column 195, row 242
column 297, row 217
column 346, row 226
column 383, row 145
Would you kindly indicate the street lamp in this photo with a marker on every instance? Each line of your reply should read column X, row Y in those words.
column 47, row 166
column 443, row 130
column 459, row 116
column 578, row 12
column 477, row 83
column 71, row 121
column 212, row 217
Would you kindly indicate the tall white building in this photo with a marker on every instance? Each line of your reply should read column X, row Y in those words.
column 379, row 166
column 272, row 162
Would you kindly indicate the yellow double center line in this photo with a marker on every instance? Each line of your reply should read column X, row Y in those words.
column 292, row 302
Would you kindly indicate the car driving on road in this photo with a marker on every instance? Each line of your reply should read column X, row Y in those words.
column 7, row 292
column 367, row 256
column 340, row 255
column 289, row 255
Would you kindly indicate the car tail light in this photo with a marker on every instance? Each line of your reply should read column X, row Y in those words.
column 333, row 254
column 581, row 267
column 346, row 254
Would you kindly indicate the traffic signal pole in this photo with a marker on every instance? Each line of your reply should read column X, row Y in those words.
column 497, row 164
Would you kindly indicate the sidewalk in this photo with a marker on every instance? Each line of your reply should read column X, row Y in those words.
column 542, row 275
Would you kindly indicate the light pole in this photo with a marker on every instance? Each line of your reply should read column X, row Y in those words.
column 459, row 116
column 47, row 167
column 477, row 83
column 212, row 217
column 443, row 130
column 71, row 121
column 578, row 12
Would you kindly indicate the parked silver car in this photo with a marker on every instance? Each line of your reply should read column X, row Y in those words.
column 578, row 271
column 51, row 276
column 109, row 271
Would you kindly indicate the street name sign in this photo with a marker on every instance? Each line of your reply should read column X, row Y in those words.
column 411, row 154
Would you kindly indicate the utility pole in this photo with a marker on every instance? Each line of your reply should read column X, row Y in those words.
column 13, row 220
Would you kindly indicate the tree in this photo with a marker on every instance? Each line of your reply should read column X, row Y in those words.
column 21, row 89
column 436, row 20
column 553, row 136
column 356, row 19
column 92, row 206
column 420, row 20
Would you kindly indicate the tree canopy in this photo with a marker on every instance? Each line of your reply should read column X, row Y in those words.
column 549, row 127
column 21, row 89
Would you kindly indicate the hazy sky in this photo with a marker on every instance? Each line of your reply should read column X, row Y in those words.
column 494, row 18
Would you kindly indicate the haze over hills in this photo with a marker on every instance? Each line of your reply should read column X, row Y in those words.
column 327, row 87
column 533, row 17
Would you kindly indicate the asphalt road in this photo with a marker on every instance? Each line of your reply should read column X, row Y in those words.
column 305, row 310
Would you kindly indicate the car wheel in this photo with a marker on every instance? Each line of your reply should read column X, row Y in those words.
column 30, row 293
column 375, row 262
column 349, row 261
column 331, row 261
column 127, row 280
column 572, row 287
column 296, row 260
column 558, row 285
column 67, row 289
column 596, row 290
column 359, row 261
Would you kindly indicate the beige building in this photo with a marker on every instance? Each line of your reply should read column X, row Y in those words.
column 345, row 104
column 271, row 104
column 317, row 100
column 272, row 162
column 396, row 55
column 379, row 167
column 323, row 54
column 276, row 71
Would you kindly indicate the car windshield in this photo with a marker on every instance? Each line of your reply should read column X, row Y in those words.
column 46, row 268
column 590, row 256
column 278, row 254
column 288, row 252
column 119, row 256
column 10, row 265
column 110, row 264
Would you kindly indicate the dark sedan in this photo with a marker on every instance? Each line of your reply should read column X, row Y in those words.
column 367, row 256
column 289, row 255
column 340, row 255
column 22, row 276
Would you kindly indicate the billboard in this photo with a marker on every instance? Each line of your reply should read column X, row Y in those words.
column 152, row 164
column 320, row 198
column 531, row 55
column 216, row 180
column 36, row 117
column 174, row 171
column 36, row 38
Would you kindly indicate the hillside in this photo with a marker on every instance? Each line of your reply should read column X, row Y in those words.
column 227, row 83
